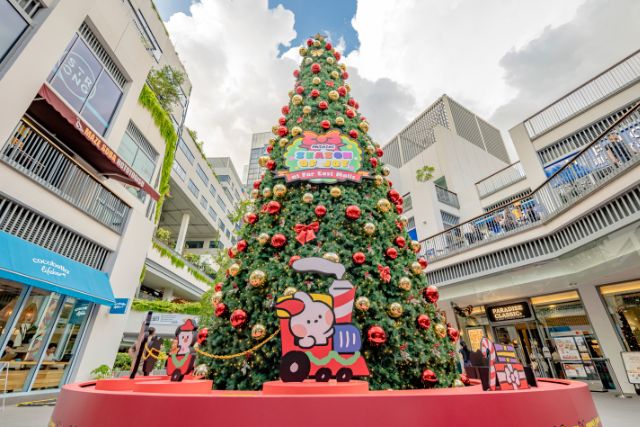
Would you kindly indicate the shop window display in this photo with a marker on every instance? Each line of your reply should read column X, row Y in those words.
column 623, row 304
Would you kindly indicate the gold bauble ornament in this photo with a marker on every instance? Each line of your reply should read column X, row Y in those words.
column 316, row 80
column 335, row 192
column 383, row 205
column 317, row 43
column 283, row 142
column 290, row 291
column 302, row 51
column 441, row 330
column 216, row 298
column 272, row 141
column 334, row 95
column 308, row 61
column 257, row 278
column 307, row 198
column 415, row 245
column 416, row 268
column 274, row 129
column 279, row 190
column 395, row 310
column 317, row 52
column 306, row 109
column 369, row 228
column 364, row 126
column 263, row 238
column 377, row 144
column 296, row 130
column 347, row 85
column 404, row 283
column 370, row 149
column 234, row 269
column 403, row 220
column 296, row 99
column 458, row 383
column 330, row 256
column 335, row 75
column 262, row 161
column 378, row 180
column 258, row 331
column 343, row 66
column 340, row 121
column 331, row 60
column 255, row 193
column 363, row 303
column 266, row 192
column 386, row 171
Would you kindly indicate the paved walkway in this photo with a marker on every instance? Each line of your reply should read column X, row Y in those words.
column 613, row 412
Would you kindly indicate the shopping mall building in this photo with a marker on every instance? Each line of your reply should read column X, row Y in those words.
column 545, row 252
column 80, row 164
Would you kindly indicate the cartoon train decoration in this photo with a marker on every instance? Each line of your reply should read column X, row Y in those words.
column 318, row 338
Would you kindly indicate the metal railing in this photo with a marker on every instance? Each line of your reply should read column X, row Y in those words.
column 35, row 155
column 604, row 85
column 500, row 179
column 447, row 197
column 613, row 152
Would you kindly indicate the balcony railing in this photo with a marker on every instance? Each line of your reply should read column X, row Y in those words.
column 447, row 197
column 35, row 155
column 616, row 150
column 604, row 85
column 501, row 179
column 179, row 261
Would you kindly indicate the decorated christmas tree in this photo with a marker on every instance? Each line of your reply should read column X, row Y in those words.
column 326, row 194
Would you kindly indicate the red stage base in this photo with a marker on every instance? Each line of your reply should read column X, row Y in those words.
column 154, row 401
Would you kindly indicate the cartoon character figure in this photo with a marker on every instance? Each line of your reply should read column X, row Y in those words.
column 151, row 353
column 181, row 361
column 505, row 370
column 318, row 338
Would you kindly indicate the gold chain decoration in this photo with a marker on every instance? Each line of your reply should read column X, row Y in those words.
column 155, row 353
column 233, row 356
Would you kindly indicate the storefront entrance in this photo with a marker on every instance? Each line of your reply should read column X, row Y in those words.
column 528, row 341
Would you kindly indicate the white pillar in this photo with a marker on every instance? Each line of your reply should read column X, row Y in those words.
column 607, row 335
column 182, row 234
column 167, row 295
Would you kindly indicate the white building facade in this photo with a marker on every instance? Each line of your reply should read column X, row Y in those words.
column 259, row 143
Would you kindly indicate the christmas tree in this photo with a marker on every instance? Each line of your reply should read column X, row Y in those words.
column 325, row 194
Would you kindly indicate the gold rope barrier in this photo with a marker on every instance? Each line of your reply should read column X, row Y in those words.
column 232, row 356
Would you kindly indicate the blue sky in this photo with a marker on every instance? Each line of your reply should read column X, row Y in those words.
column 329, row 17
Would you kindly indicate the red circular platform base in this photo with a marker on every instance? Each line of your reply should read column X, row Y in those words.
column 155, row 402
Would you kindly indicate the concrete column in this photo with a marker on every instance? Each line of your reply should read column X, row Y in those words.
column 182, row 234
column 607, row 335
column 168, row 294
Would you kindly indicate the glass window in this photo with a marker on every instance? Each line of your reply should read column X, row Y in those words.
column 224, row 178
column 212, row 213
column 221, row 203
column 213, row 244
column 203, row 202
column 193, row 188
column 179, row 170
column 212, row 190
column 228, row 234
column 9, row 300
column 12, row 25
column 136, row 157
column 194, row 244
column 221, row 225
column 623, row 304
column 83, row 82
column 185, row 150
column 203, row 176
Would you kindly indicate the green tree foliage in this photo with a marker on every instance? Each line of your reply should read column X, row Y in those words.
column 409, row 349
column 165, row 83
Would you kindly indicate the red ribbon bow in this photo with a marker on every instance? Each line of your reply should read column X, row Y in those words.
column 306, row 233
column 385, row 273
column 330, row 140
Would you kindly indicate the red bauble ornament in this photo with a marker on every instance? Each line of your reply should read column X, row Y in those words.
column 221, row 309
column 314, row 93
column 278, row 240
column 431, row 294
column 300, row 90
column 231, row 252
column 359, row 258
column 309, row 42
column 391, row 253
column 393, row 195
column 315, row 68
column 399, row 209
column 320, row 211
column 345, row 75
column 373, row 161
column 423, row 262
column 250, row 218
column 293, row 259
column 337, row 55
column 218, row 286
column 296, row 73
column 352, row 212
column 256, row 183
column 357, row 106
column 342, row 91
column 203, row 334
column 238, row 318
column 285, row 110
column 401, row 242
column 282, row 121
column 353, row 133
column 273, row 207
column 271, row 164
column 326, row 124
column 282, row 130
column 241, row 246
column 453, row 334
column 376, row 335
column 351, row 102
column 328, row 46
column 350, row 113
column 269, row 149
column 423, row 321
column 323, row 105
column 429, row 377
column 379, row 152
column 465, row 379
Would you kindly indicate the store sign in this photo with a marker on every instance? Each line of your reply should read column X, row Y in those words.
column 79, row 312
column 50, row 267
column 120, row 306
column 323, row 158
column 508, row 312
column 169, row 319
column 631, row 360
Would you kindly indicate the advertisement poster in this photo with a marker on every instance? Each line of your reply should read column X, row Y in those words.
column 475, row 337
column 631, row 360
column 575, row 370
column 567, row 349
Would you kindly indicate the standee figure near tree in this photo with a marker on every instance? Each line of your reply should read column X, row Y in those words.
column 327, row 194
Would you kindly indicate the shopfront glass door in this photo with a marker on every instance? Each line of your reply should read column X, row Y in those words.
column 11, row 296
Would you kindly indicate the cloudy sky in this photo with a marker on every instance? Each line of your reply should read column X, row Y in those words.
column 502, row 59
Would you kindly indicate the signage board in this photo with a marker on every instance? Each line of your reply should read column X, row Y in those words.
column 631, row 361
column 169, row 319
column 508, row 312
column 323, row 158
column 120, row 306
column 567, row 349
